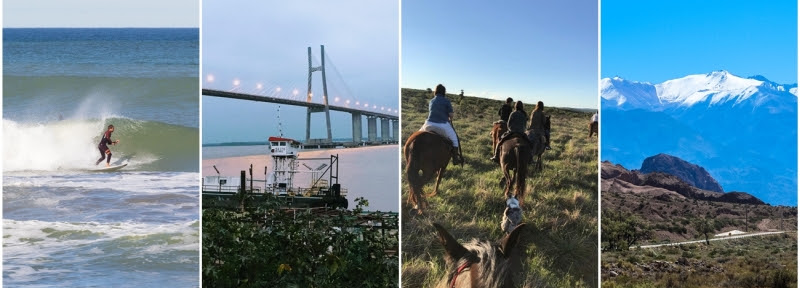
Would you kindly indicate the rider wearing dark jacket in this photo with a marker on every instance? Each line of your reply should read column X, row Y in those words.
column 540, row 123
column 516, row 124
column 505, row 111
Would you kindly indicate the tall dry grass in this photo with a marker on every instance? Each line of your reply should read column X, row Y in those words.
column 558, row 247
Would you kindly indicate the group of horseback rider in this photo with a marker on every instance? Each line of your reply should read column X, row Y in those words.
column 515, row 122
column 440, row 117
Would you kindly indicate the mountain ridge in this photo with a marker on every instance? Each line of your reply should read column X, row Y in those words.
column 714, row 88
column 673, row 183
column 690, row 173
column 743, row 131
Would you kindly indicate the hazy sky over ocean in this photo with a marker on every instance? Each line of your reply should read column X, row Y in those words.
column 100, row 13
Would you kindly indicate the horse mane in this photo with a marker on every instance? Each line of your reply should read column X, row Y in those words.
column 494, row 267
column 491, row 264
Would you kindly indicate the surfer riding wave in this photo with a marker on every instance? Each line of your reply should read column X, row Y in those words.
column 105, row 152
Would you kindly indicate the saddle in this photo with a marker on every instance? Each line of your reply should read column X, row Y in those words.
column 438, row 133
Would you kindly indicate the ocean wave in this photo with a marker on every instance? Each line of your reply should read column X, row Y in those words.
column 114, row 250
column 71, row 145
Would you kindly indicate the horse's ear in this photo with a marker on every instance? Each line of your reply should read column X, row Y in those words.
column 509, row 242
column 453, row 249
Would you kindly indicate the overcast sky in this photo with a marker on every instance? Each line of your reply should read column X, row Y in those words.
column 100, row 13
column 247, row 44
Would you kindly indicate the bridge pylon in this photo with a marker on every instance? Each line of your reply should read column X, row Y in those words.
column 325, row 109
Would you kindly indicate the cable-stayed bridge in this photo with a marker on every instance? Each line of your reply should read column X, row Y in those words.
column 387, row 116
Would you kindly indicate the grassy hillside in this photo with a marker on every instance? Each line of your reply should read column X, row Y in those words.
column 558, row 247
column 765, row 261
column 657, row 215
column 670, row 216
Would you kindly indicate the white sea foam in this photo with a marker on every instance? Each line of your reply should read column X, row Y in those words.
column 34, row 238
column 137, row 182
column 38, row 244
column 49, row 146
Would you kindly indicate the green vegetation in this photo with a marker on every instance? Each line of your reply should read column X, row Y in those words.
column 675, row 218
column 265, row 246
column 761, row 261
column 704, row 226
column 664, row 216
column 622, row 230
column 558, row 247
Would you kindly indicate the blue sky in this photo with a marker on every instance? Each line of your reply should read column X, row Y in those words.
column 100, row 13
column 655, row 41
column 527, row 50
column 266, row 43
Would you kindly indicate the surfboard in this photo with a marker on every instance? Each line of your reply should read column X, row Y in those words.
column 109, row 169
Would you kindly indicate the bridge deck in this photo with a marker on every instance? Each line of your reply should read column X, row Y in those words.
column 260, row 98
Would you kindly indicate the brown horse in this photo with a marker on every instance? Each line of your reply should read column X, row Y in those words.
column 479, row 263
column 428, row 153
column 498, row 128
column 538, row 143
column 515, row 153
column 592, row 129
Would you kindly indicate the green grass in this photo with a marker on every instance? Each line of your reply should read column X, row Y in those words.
column 558, row 247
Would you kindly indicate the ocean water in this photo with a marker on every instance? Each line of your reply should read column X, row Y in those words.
column 214, row 152
column 67, row 226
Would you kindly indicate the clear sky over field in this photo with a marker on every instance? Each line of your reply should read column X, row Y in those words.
column 528, row 50
column 655, row 41
column 100, row 13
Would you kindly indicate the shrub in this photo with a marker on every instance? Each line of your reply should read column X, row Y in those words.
column 622, row 230
column 263, row 246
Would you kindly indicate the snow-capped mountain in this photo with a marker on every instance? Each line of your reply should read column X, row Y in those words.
column 629, row 94
column 743, row 130
column 715, row 88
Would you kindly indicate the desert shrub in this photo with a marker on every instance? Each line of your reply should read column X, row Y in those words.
column 622, row 230
column 782, row 278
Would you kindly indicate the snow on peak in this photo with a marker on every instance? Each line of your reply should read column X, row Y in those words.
column 628, row 94
column 712, row 89
column 717, row 86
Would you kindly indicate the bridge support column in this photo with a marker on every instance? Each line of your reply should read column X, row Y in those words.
column 356, row 127
column 325, row 108
column 395, row 130
column 308, row 125
column 372, row 129
column 385, row 130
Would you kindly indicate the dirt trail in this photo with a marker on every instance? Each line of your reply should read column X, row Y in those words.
column 710, row 239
